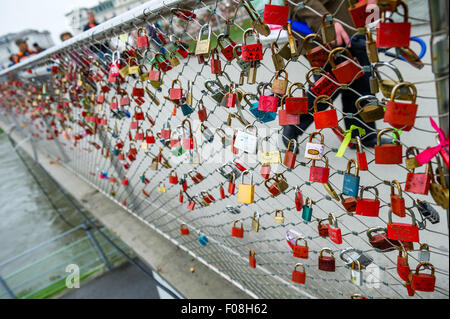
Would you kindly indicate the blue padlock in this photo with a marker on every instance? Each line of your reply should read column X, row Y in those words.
column 307, row 210
column 351, row 182
column 186, row 109
column 116, row 152
column 262, row 116
column 203, row 240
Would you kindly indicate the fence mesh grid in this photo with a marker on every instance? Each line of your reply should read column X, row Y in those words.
column 87, row 149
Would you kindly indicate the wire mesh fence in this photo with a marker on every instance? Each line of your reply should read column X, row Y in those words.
column 129, row 136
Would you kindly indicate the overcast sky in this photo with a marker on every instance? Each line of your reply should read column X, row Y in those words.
column 16, row 15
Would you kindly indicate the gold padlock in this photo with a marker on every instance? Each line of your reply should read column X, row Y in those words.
column 279, row 219
column 255, row 222
column 189, row 96
column 143, row 76
column 439, row 190
column 154, row 165
column 132, row 69
column 269, row 157
column 251, row 76
column 280, row 86
column 327, row 29
column 371, row 47
column 411, row 162
column 124, row 71
column 371, row 112
column 203, row 46
column 246, row 192
column 161, row 188
column 173, row 59
column 330, row 190
column 277, row 59
column 387, row 85
column 292, row 42
column 282, row 184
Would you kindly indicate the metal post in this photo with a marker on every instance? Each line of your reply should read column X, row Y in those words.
column 97, row 246
column 8, row 290
column 439, row 56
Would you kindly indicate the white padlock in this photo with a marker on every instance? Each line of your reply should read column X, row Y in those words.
column 246, row 141
column 315, row 151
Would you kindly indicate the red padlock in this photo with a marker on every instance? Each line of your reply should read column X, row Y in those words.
column 113, row 105
column 181, row 196
column 418, row 183
column 296, row 105
column 154, row 75
column 231, row 96
column 216, row 66
column 327, row 263
column 228, row 50
column 334, row 232
column 251, row 52
column 175, row 93
column 139, row 134
column 188, row 142
column 274, row 14
column 322, row 228
column 347, row 71
column 421, row 281
column 149, row 138
column 325, row 85
column 222, row 191
column 403, row 231
column 402, row 264
column 202, row 115
column 327, row 118
column 298, row 198
column 125, row 182
column 231, row 184
column 394, row 34
column 380, row 239
column 411, row 292
column 142, row 40
column 237, row 231
column 388, row 153
column 401, row 115
column 300, row 251
column 163, row 63
column 138, row 116
column 317, row 56
column 251, row 258
column 368, row 206
column 361, row 156
column 285, row 118
column 319, row 174
column 265, row 171
column 358, row 13
column 138, row 92
column 299, row 276
column 124, row 100
column 173, row 177
column 166, row 131
column 191, row 204
column 184, row 230
column 267, row 103
column 290, row 157
column 397, row 200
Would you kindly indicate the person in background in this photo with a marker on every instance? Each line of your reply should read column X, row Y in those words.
column 37, row 48
column 356, row 44
column 12, row 59
column 24, row 51
column 91, row 21
column 65, row 36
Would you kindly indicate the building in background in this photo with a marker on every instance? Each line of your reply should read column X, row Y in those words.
column 8, row 43
column 103, row 11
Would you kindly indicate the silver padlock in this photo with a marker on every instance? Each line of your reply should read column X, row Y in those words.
column 350, row 254
column 233, row 210
column 428, row 211
column 209, row 136
column 424, row 253
column 229, row 168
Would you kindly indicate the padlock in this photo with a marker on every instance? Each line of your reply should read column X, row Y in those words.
column 161, row 188
column 276, row 14
column 188, row 138
column 114, row 105
column 351, row 182
column 138, row 116
column 296, row 105
column 217, row 94
column 173, row 177
column 368, row 206
column 327, row 263
column 372, row 111
column 209, row 136
column 133, row 68
column 401, row 115
column 255, row 222
column 203, row 240
column 307, row 210
column 361, row 156
column 231, row 96
column 300, row 251
column 357, row 10
column 216, row 65
column 316, row 56
column 290, row 157
column 237, row 231
column 325, row 85
column 411, row 292
column 139, row 134
column 285, row 118
column 154, row 76
column 371, row 47
column 418, row 183
column 247, row 142
column 334, row 232
column 424, row 253
column 388, row 153
column 411, row 161
column 315, row 151
column 427, row 211
column 327, row 118
column 277, row 59
column 403, row 269
column 203, row 46
column 176, row 94
column 403, row 231
column 350, row 254
column 299, row 277
column 269, row 157
column 222, row 191
column 266, row 102
column 279, row 219
column 251, row 52
column 265, row 171
column 356, row 274
column 347, row 71
column 228, row 50
column 138, row 92
column 397, row 200
column 438, row 186
column 380, row 240
column 279, row 86
column 184, row 230
column 251, row 258
column 191, row 203
column 298, row 198
column 246, row 192
column 183, row 183
column 149, row 138
column 278, row 186
column 387, row 85
column 142, row 40
column 421, row 281
column 197, row 178
column 231, row 184
column 394, row 34
column 319, row 174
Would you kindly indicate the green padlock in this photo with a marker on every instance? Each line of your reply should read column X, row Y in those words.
column 307, row 210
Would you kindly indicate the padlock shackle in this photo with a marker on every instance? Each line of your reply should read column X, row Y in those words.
column 315, row 70
column 349, row 166
column 371, row 99
column 331, row 58
column 301, row 265
column 200, row 32
column 374, row 230
column 424, row 245
column 389, row 65
column 387, row 130
column 323, row 157
column 294, row 141
column 367, row 188
column 176, row 81
column 399, row 188
column 320, row 98
column 279, row 210
column 405, row 12
column 307, row 39
column 332, row 220
column 238, row 221
column 246, row 32
column 190, row 128
column 401, row 251
column 173, row 171
column 245, row 173
column 326, row 249
column 411, row 213
column 405, row 84
column 296, row 85
column 308, row 200
column 349, row 250
column 311, row 136
column 424, row 264
column 301, row 238
column 359, row 265
column 252, row 253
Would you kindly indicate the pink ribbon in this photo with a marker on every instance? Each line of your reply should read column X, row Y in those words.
column 427, row 155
